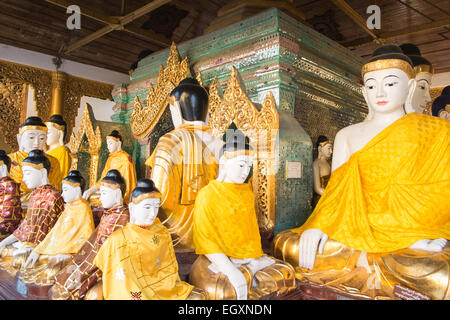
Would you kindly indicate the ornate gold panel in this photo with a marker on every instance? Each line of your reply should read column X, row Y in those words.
column 95, row 143
column 262, row 128
column 143, row 120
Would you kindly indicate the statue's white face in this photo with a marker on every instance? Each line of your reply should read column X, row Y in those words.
column 145, row 212
column 109, row 197
column 70, row 193
column 53, row 135
column 32, row 140
column 386, row 90
column 421, row 95
column 326, row 150
column 237, row 169
column 32, row 177
column 113, row 145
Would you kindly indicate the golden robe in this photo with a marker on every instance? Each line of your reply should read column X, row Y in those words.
column 122, row 162
column 55, row 177
column 387, row 196
column 181, row 165
column 62, row 154
column 140, row 264
column 225, row 221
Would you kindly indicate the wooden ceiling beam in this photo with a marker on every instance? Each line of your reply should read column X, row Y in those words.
column 118, row 23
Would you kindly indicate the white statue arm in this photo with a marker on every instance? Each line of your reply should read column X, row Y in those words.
column 7, row 241
column 237, row 279
column 32, row 258
column 317, row 186
column 260, row 263
column 341, row 152
column 436, row 245
column 309, row 241
column 89, row 192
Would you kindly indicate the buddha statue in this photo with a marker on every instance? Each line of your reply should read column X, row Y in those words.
column 226, row 235
column 45, row 207
column 321, row 167
column 441, row 105
column 56, row 134
column 138, row 261
column 119, row 160
column 81, row 279
column 184, row 160
column 73, row 228
column 32, row 136
column 383, row 220
column 10, row 205
column 424, row 71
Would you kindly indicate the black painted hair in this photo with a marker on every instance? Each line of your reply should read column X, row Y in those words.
column 114, row 176
column 75, row 176
column 38, row 157
column 58, row 119
column 143, row 186
column 193, row 99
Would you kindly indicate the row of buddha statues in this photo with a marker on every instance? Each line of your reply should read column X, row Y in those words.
column 381, row 217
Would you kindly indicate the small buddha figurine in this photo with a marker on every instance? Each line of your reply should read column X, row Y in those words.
column 56, row 134
column 119, row 160
column 384, row 219
column 184, row 160
column 32, row 136
column 232, row 264
column 441, row 105
column 46, row 205
column 321, row 167
column 81, row 279
column 138, row 261
column 10, row 205
column 424, row 71
column 73, row 228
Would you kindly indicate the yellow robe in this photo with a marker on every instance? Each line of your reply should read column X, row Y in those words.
column 122, row 162
column 225, row 221
column 140, row 264
column 55, row 177
column 62, row 154
column 181, row 165
column 393, row 192
column 73, row 228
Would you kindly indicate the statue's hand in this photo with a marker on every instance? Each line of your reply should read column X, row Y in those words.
column 238, row 282
column 260, row 263
column 60, row 257
column 436, row 245
column 34, row 256
column 309, row 241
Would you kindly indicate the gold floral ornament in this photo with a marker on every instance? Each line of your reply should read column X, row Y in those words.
column 261, row 126
column 144, row 119
column 94, row 140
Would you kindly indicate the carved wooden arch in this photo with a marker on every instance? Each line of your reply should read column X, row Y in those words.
column 262, row 129
column 95, row 143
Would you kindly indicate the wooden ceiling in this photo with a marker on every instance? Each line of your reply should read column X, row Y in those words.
column 40, row 25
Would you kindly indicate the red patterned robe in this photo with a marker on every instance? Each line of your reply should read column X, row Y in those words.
column 74, row 281
column 10, row 205
column 45, row 207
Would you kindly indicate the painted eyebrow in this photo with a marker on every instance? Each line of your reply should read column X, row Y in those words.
column 391, row 75
column 370, row 79
column 424, row 80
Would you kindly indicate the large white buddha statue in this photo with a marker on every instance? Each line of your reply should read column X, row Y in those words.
column 232, row 264
column 384, row 218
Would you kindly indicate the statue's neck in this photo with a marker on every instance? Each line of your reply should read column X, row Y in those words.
column 385, row 119
column 54, row 146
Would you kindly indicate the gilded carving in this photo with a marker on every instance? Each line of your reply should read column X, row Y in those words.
column 262, row 128
column 94, row 138
column 144, row 119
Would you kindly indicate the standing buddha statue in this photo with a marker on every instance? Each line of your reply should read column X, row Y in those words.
column 321, row 167
column 56, row 134
column 383, row 220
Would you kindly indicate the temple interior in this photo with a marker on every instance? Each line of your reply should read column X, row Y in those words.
column 216, row 150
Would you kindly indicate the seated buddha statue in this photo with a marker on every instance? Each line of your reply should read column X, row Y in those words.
column 184, row 160
column 384, row 219
column 73, row 228
column 10, row 205
column 81, row 279
column 321, row 167
column 32, row 136
column 45, row 207
column 441, row 105
column 424, row 71
column 56, row 134
column 119, row 160
column 138, row 261
column 226, row 235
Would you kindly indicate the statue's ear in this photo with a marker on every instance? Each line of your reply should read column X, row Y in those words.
column 412, row 84
column 44, row 174
column 19, row 137
column 175, row 111
column 370, row 113
column 61, row 137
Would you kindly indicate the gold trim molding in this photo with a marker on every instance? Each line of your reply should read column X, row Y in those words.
column 94, row 140
column 143, row 120
column 262, row 129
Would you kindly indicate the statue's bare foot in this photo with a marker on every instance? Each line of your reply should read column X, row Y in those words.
column 430, row 245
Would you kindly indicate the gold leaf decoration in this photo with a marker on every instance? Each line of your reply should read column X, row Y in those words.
column 144, row 119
